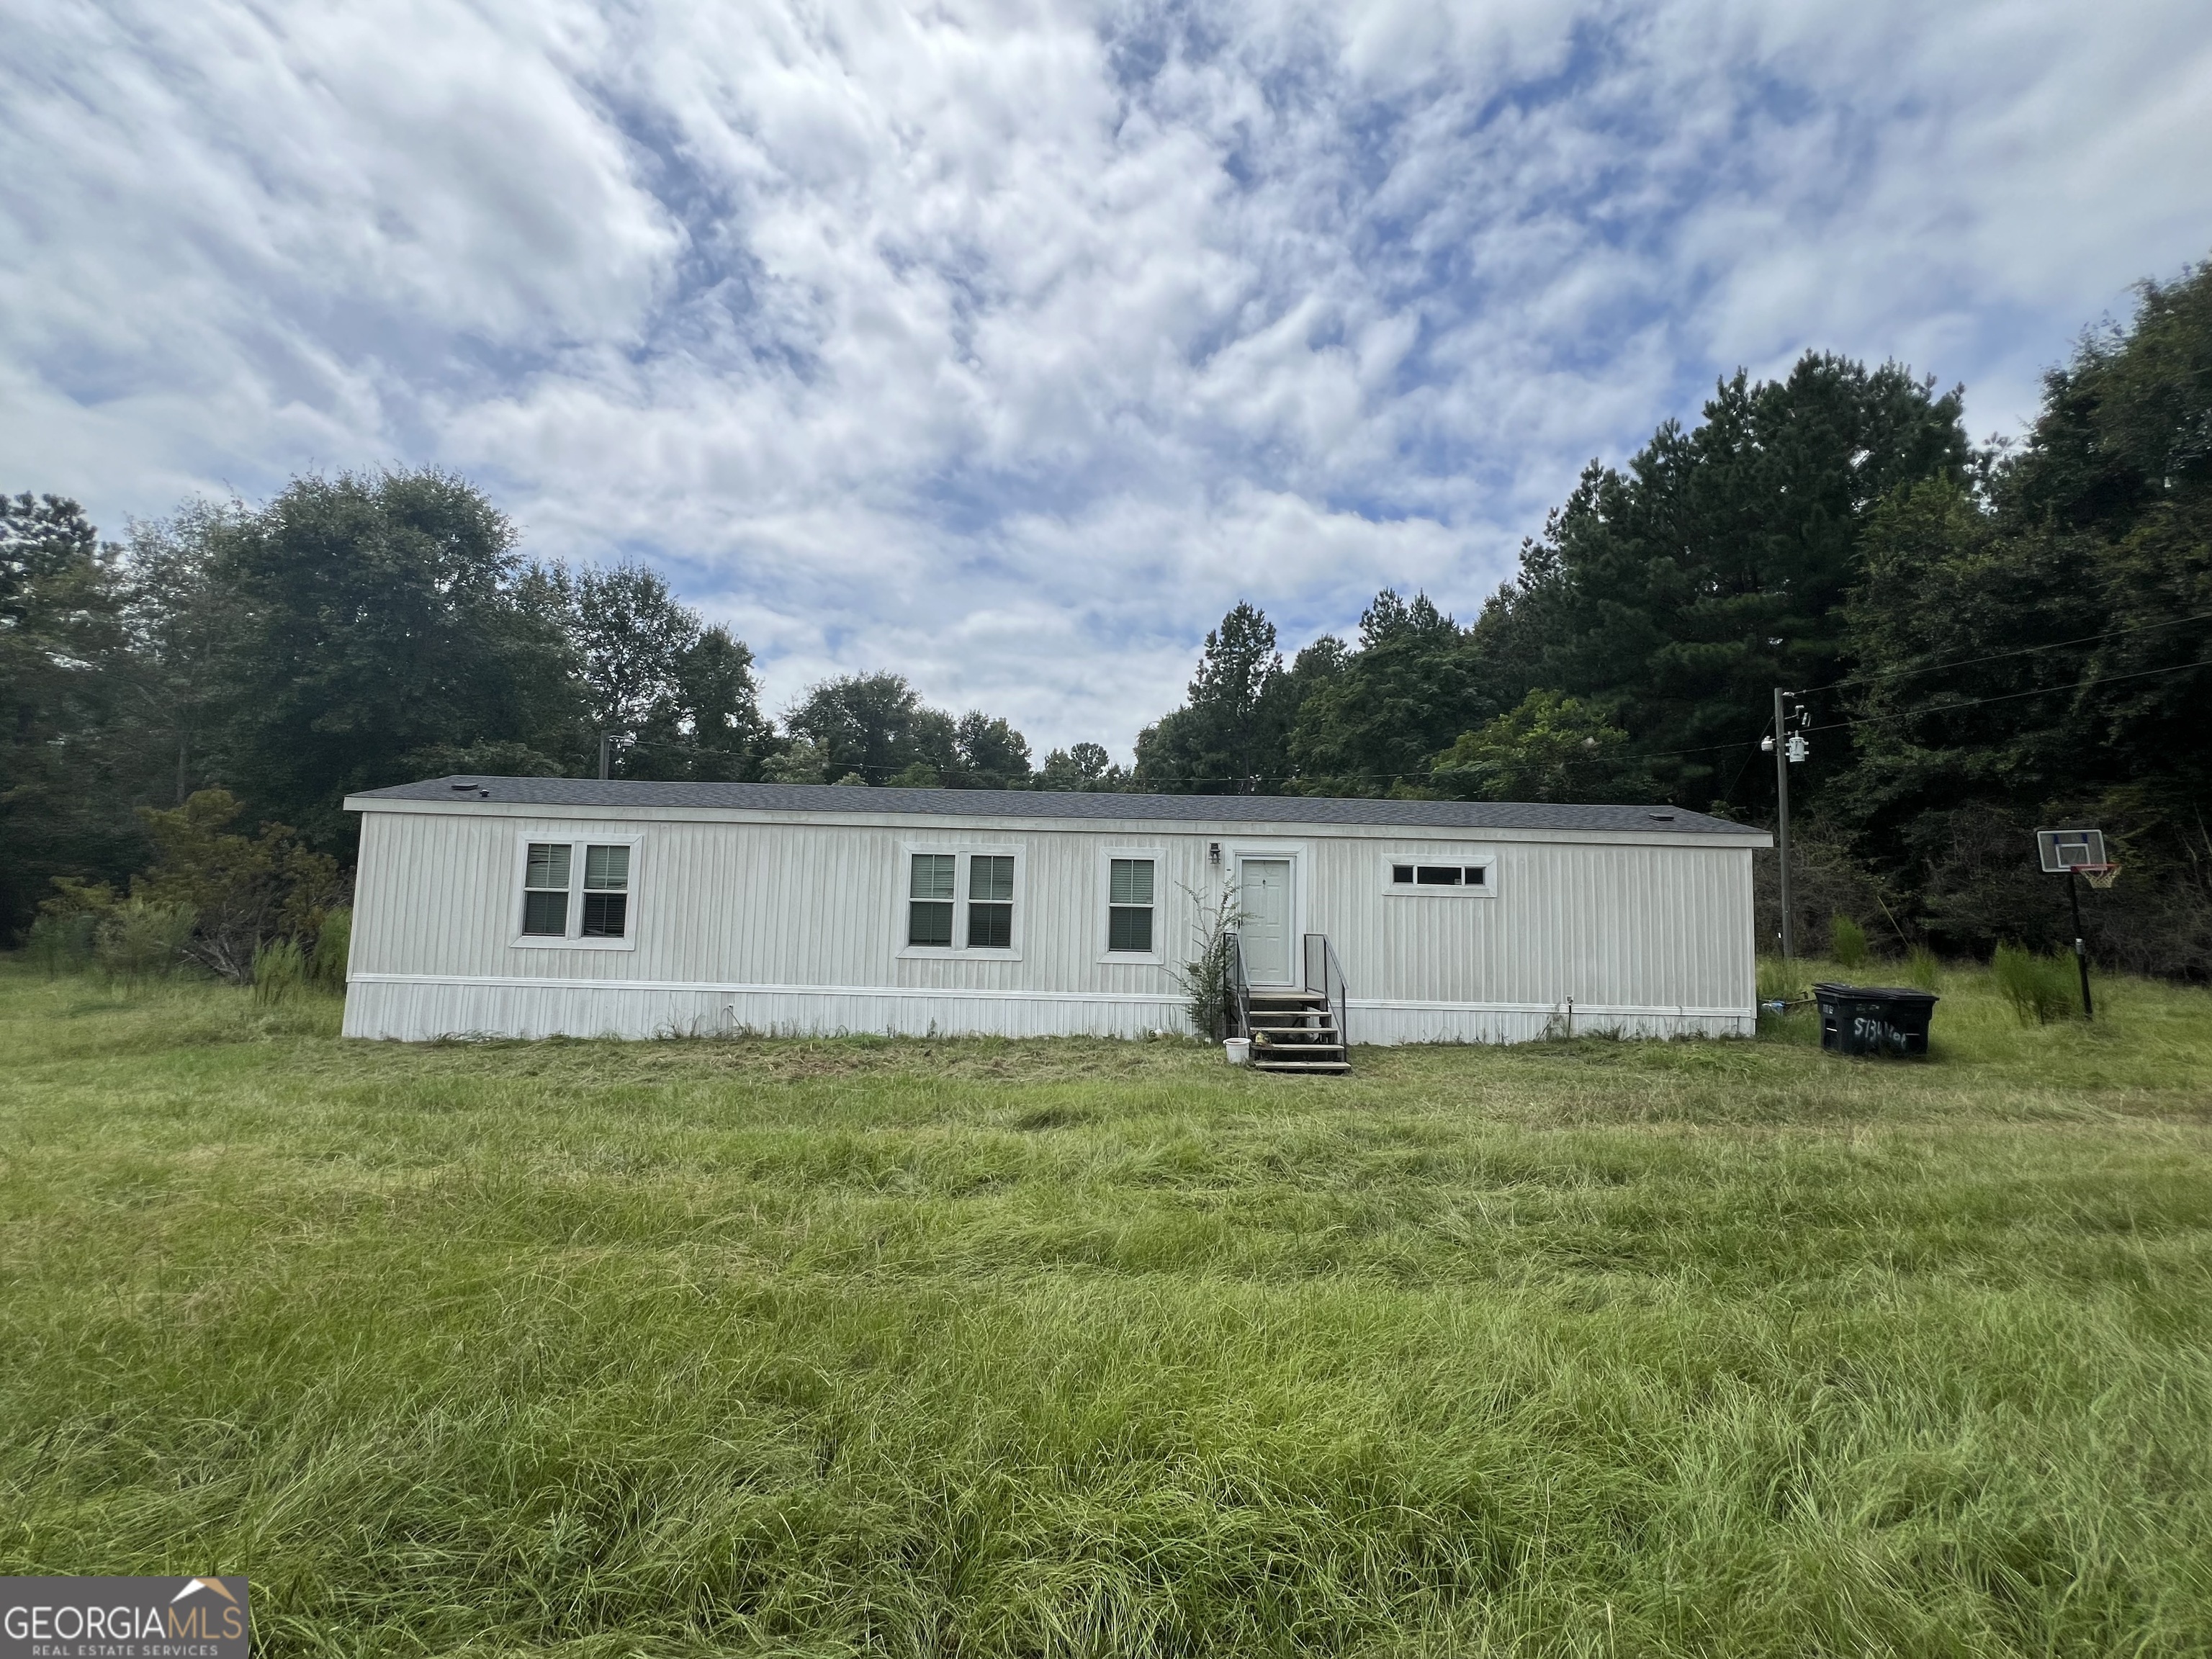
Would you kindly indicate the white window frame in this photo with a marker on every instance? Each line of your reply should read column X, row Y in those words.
column 576, row 840
column 1469, row 859
column 1104, row 920
column 961, row 851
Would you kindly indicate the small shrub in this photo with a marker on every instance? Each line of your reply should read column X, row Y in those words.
column 327, row 967
column 1782, row 982
column 62, row 943
column 280, row 971
column 1206, row 980
column 2040, row 989
column 140, row 938
column 1847, row 942
column 244, row 889
column 1922, row 970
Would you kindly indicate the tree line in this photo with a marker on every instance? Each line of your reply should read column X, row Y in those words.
column 1985, row 638
column 359, row 631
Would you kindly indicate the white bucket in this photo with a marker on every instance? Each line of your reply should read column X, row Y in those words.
column 1239, row 1050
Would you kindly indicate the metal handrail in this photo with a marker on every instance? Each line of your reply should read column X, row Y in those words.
column 1335, row 990
column 1340, row 998
column 1239, row 1012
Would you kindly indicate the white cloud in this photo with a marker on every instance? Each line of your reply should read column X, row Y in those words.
column 1008, row 344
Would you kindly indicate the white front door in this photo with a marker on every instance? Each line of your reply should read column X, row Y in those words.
column 1264, row 897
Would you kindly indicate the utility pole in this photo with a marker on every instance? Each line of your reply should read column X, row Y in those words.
column 1780, row 743
column 606, row 744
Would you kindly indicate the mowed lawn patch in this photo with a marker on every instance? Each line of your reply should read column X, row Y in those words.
column 1024, row 1348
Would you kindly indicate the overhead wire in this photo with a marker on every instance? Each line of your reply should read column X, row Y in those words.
column 2008, row 696
column 1925, row 709
column 2000, row 656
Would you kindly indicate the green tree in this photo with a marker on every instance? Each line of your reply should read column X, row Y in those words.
column 1227, row 738
column 989, row 754
column 718, row 708
column 1551, row 748
column 375, row 619
column 1374, row 715
column 877, row 727
column 634, row 639
column 2038, row 649
column 64, row 788
column 177, row 619
column 1084, row 768
column 1716, row 565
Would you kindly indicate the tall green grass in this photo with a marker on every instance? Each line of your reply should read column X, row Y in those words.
column 998, row 1348
column 1923, row 969
column 1847, row 942
column 2039, row 988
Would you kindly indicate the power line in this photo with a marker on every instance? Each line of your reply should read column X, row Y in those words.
column 1926, row 709
column 1999, row 656
column 2008, row 696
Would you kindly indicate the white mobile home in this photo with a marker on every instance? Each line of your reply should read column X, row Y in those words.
column 529, row 907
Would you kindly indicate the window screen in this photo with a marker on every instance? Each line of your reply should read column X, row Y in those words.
column 991, row 901
column 929, row 909
column 606, row 891
column 545, row 890
column 1129, row 905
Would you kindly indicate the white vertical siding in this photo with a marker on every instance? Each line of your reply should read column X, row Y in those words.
column 793, row 925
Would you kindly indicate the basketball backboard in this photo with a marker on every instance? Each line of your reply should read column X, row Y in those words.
column 2070, row 849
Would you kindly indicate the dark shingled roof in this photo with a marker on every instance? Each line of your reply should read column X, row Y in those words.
column 1061, row 804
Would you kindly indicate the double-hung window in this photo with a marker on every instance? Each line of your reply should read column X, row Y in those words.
column 990, row 902
column 957, row 901
column 606, row 891
column 931, row 884
column 545, row 891
column 577, row 892
column 1129, row 906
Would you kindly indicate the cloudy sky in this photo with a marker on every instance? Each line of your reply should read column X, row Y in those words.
column 1008, row 344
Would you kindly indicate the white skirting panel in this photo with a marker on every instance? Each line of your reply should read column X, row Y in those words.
column 423, row 1011
column 1385, row 1025
column 412, row 1008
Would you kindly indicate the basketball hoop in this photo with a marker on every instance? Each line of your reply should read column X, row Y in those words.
column 2071, row 853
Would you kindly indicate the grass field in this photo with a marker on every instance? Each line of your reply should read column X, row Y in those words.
column 987, row 1348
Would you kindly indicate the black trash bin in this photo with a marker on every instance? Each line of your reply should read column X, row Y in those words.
column 1873, row 1019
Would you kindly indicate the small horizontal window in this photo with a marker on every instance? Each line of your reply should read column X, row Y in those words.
column 1461, row 876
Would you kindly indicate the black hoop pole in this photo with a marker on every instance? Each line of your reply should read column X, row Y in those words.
column 2081, row 951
